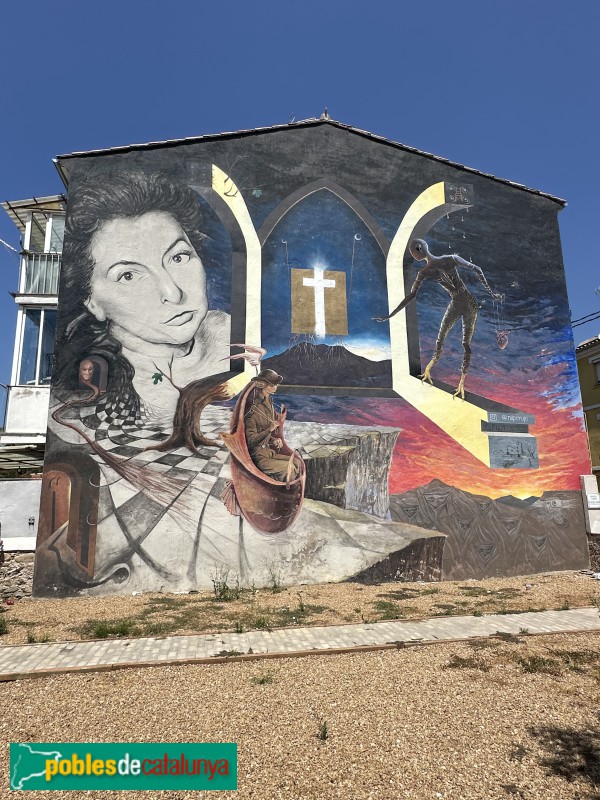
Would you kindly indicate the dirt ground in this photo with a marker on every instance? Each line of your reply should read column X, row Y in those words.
column 513, row 718
column 516, row 716
column 229, row 609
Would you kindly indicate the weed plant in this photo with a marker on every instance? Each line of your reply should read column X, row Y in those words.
column 467, row 662
column 322, row 731
column 33, row 639
column 223, row 591
column 262, row 680
column 533, row 664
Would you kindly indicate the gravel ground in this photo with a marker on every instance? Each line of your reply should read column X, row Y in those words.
column 152, row 614
column 463, row 721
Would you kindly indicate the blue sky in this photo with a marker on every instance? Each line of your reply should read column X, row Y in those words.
column 508, row 87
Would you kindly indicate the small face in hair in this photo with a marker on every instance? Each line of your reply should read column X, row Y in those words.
column 86, row 371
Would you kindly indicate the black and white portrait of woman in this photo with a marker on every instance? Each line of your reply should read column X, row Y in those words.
column 130, row 457
column 134, row 290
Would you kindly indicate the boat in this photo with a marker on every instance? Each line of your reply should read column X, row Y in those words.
column 269, row 505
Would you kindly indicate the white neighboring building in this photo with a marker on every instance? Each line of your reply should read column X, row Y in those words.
column 41, row 223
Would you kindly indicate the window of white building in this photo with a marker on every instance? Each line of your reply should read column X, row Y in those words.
column 37, row 346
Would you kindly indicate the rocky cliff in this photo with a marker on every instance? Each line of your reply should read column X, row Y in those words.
column 347, row 465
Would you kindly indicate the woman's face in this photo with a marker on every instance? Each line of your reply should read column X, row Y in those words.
column 148, row 280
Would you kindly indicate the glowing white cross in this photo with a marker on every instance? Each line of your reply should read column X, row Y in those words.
column 320, row 284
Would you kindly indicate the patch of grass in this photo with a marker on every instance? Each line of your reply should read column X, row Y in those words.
column 105, row 629
column 448, row 609
column 238, row 627
column 185, row 614
column 576, row 659
column 400, row 594
column 33, row 639
column 262, row 680
column 466, row 662
column 166, row 603
column 159, row 628
column 474, row 591
column 530, row 609
column 388, row 610
column 172, row 615
column 508, row 592
column 565, row 606
column 533, row 664
column 524, row 631
column 500, row 594
column 478, row 612
column 282, row 617
column 227, row 653
column 261, row 623
column 3, row 624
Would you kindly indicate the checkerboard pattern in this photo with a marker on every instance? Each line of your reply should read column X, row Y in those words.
column 129, row 437
column 198, row 478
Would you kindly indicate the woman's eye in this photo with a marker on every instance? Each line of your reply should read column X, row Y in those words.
column 126, row 277
column 181, row 258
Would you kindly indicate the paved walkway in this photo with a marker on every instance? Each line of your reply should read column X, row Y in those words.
column 37, row 660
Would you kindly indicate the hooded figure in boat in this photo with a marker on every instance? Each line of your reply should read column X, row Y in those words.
column 268, row 477
column 262, row 424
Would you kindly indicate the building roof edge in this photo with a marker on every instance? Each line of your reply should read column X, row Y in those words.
column 311, row 122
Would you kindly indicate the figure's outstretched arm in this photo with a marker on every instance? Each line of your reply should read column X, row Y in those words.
column 461, row 262
column 408, row 299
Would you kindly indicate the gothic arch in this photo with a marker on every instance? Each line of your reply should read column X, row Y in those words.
column 331, row 186
column 239, row 262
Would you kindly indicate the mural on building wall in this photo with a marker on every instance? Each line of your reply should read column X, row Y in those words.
column 260, row 368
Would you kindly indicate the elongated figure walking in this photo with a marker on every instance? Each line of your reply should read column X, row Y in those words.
column 463, row 305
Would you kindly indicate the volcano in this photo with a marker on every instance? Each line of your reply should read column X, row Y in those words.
column 308, row 364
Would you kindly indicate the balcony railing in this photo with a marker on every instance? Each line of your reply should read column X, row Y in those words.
column 41, row 273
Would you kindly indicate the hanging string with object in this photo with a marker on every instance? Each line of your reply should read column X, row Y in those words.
column 357, row 238
column 287, row 266
column 500, row 324
column 287, row 263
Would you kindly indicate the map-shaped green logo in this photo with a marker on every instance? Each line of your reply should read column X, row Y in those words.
column 28, row 763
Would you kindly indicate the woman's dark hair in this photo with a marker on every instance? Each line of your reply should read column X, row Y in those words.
column 102, row 198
